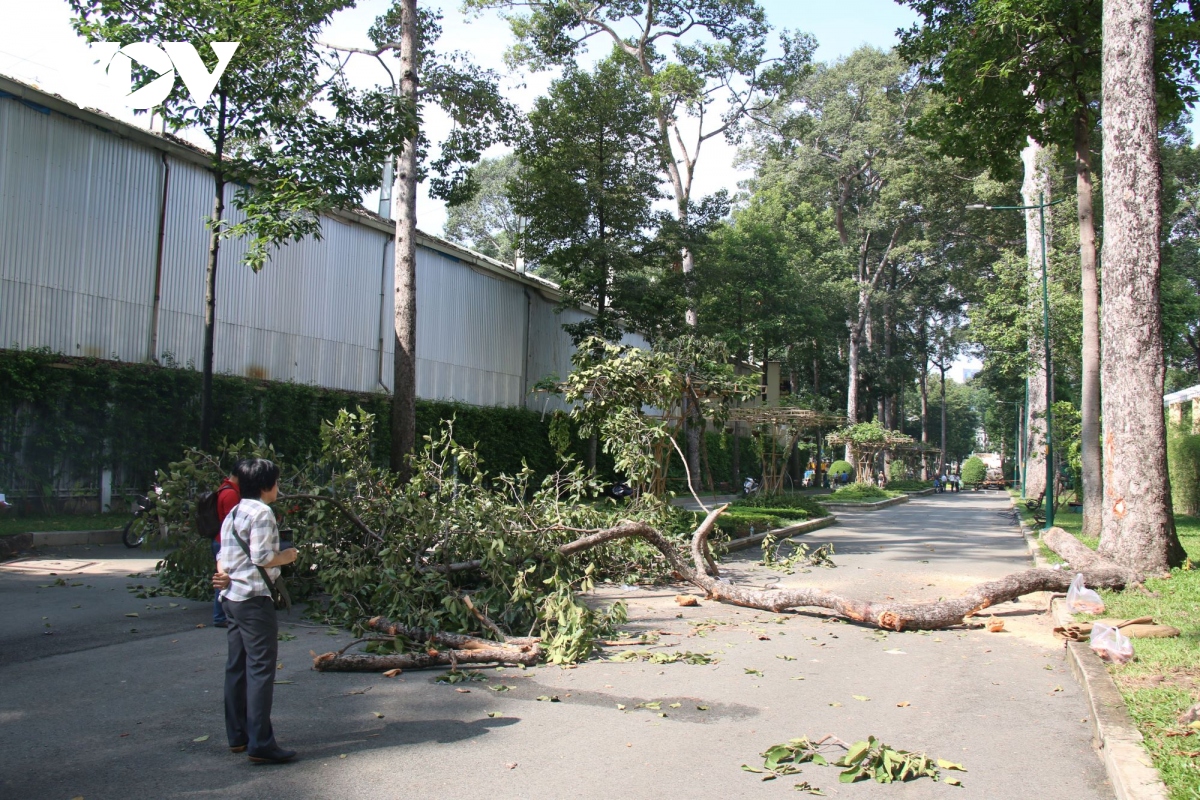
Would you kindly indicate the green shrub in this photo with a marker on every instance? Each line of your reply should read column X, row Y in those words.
column 783, row 502
column 897, row 471
column 909, row 485
column 838, row 467
column 137, row 418
column 974, row 471
column 861, row 493
column 1183, row 464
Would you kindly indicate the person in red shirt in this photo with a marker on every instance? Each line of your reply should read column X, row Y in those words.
column 228, row 496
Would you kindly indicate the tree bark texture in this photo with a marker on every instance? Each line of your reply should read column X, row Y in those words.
column 404, row 363
column 210, row 283
column 1037, row 182
column 1139, row 527
column 1092, row 477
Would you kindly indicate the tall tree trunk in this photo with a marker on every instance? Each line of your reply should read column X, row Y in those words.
column 924, row 402
column 1093, row 481
column 1036, row 183
column 210, row 281
column 1139, row 527
column 942, row 454
column 404, row 364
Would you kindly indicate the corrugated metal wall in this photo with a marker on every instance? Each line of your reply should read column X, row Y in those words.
column 79, row 224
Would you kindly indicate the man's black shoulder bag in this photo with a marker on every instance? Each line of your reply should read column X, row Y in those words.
column 279, row 592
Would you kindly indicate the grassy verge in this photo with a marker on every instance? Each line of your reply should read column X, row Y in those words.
column 909, row 485
column 11, row 524
column 861, row 493
column 1164, row 678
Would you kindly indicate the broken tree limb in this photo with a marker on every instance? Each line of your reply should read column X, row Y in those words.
column 367, row 662
column 896, row 616
column 455, row 649
column 888, row 615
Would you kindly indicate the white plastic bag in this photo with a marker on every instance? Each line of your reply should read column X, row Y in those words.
column 1082, row 600
column 1111, row 645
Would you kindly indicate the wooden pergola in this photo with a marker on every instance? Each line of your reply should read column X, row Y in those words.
column 866, row 450
column 777, row 430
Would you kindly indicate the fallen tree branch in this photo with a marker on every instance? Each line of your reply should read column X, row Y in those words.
column 888, row 615
column 345, row 509
column 896, row 616
column 456, row 648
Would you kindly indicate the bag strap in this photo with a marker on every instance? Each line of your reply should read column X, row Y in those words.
column 277, row 595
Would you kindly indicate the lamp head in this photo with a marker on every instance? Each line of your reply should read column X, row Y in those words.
column 977, row 207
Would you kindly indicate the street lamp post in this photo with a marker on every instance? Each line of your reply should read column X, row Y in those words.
column 1041, row 209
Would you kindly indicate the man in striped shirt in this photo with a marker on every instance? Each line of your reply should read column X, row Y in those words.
column 249, row 556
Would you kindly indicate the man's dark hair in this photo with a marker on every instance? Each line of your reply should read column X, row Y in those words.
column 255, row 476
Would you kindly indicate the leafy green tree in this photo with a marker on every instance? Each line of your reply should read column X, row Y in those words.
column 420, row 76
column 974, row 471
column 703, row 63
column 291, row 141
column 589, row 177
column 1019, row 70
column 1181, row 256
column 487, row 223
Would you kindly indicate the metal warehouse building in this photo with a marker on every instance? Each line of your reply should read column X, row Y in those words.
column 103, row 249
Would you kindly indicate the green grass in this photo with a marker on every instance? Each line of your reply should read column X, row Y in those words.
column 861, row 493
column 1154, row 707
column 785, row 503
column 12, row 524
column 909, row 485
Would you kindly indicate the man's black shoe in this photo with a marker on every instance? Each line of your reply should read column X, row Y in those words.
column 220, row 624
column 276, row 756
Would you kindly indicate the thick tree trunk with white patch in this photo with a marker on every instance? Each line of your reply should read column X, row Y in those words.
column 1139, row 528
column 1037, row 182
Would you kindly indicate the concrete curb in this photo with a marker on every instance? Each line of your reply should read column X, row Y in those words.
column 921, row 492
column 1119, row 742
column 64, row 538
column 891, row 501
column 779, row 533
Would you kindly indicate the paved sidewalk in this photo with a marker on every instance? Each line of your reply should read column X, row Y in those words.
column 98, row 711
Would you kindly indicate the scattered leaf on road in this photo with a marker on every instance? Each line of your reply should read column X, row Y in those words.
column 391, row 673
column 675, row 705
column 377, row 715
column 861, row 697
column 548, row 698
column 757, row 672
column 131, row 614
column 903, row 704
column 702, row 708
column 203, row 738
column 835, row 704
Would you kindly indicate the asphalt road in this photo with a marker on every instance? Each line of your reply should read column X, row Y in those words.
column 99, row 704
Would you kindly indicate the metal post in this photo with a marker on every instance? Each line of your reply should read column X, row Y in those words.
column 1049, row 374
column 1024, row 443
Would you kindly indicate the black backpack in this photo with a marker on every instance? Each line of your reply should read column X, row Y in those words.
column 208, row 521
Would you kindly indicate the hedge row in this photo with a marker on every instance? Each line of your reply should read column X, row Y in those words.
column 1183, row 464
column 72, row 416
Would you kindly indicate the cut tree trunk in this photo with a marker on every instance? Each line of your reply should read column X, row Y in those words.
column 1089, row 407
column 404, row 362
column 1139, row 527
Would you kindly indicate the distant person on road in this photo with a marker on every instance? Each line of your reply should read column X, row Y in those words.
column 249, row 557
